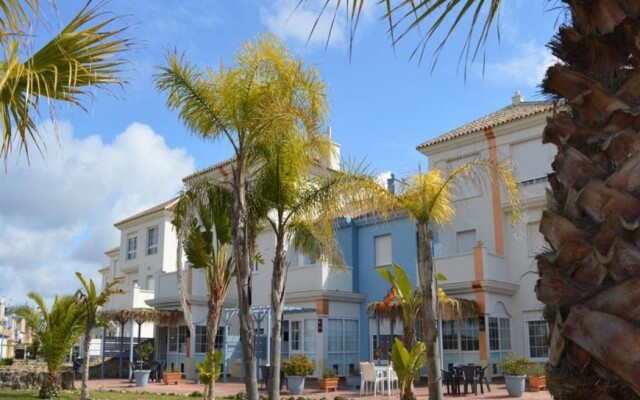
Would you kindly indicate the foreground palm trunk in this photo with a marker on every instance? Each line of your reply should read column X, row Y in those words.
column 213, row 319
column 51, row 386
column 84, row 390
column 429, row 287
column 590, row 278
column 241, row 254
column 278, row 280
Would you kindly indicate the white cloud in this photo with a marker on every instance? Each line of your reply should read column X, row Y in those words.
column 284, row 19
column 527, row 67
column 57, row 214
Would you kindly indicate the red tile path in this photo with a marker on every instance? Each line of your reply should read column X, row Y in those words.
column 234, row 386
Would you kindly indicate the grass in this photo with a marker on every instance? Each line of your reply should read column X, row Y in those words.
column 95, row 395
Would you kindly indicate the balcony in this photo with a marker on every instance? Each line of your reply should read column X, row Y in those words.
column 320, row 276
column 131, row 299
column 461, row 267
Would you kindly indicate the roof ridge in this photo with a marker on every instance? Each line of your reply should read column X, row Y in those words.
column 501, row 116
column 166, row 205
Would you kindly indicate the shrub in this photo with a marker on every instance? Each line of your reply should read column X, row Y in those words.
column 144, row 351
column 6, row 361
column 298, row 365
column 514, row 366
column 537, row 369
column 329, row 373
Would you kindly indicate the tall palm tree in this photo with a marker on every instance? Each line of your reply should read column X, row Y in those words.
column 243, row 105
column 588, row 279
column 57, row 329
column 92, row 301
column 82, row 56
column 202, row 219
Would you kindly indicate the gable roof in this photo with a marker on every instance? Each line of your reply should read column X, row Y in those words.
column 208, row 169
column 507, row 114
column 167, row 205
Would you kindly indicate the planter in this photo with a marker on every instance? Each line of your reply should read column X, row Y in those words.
column 515, row 384
column 295, row 384
column 171, row 377
column 353, row 381
column 536, row 383
column 328, row 384
column 142, row 377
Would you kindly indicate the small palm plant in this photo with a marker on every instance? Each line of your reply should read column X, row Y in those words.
column 57, row 329
column 407, row 365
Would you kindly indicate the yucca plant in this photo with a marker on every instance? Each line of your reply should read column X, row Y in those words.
column 407, row 364
column 57, row 329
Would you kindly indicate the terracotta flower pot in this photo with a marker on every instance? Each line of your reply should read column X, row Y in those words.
column 536, row 383
column 171, row 377
column 328, row 384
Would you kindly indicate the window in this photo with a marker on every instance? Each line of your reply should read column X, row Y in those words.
column 538, row 332
column 310, row 336
column 470, row 335
column 383, row 250
column 150, row 282
column 449, row 335
column 499, row 341
column 528, row 167
column 295, row 335
column 132, row 247
column 152, row 240
column 201, row 339
column 465, row 241
column 255, row 267
column 467, row 188
column 173, row 339
column 182, row 339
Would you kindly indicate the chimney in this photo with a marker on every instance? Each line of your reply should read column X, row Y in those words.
column 391, row 186
column 517, row 98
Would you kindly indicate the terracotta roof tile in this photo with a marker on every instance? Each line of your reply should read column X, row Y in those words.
column 208, row 169
column 502, row 116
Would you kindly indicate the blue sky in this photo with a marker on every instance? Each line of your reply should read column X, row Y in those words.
column 127, row 152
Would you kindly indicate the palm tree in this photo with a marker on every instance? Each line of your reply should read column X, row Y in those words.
column 81, row 57
column 57, row 329
column 244, row 105
column 202, row 219
column 92, row 301
column 586, row 279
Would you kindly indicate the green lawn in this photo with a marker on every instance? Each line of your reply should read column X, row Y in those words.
column 95, row 395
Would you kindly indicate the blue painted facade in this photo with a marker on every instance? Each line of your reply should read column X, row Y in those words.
column 357, row 241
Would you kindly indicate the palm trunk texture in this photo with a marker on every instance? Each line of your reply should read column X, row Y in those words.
column 213, row 319
column 84, row 389
column 240, row 249
column 429, row 287
column 278, row 282
column 589, row 280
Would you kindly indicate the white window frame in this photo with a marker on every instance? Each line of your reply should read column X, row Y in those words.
column 532, row 316
column 152, row 247
column 132, row 246
column 383, row 250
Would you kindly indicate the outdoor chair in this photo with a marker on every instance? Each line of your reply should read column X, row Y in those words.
column 448, row 379
column 393, row 378
column 369, row 377
column 155, row 374
column 482, row 376
column 470, row 377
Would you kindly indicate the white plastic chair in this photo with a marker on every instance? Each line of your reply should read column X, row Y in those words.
column 393, row 377
column 368, row 375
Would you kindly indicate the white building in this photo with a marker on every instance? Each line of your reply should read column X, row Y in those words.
column 326, row 315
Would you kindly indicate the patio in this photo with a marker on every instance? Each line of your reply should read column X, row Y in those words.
column 235, row 386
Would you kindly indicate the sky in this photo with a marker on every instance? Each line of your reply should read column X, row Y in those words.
column 126, row 152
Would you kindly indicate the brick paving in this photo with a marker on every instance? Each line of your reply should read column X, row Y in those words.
column 235, row 386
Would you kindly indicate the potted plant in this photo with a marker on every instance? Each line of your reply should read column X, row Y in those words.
column 172, row 375
column 329, row 380
column 537, row 379
column 515, row 372
column 297, row 368
column 143, row 353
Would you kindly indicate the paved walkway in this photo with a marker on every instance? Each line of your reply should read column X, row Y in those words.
column 234, row 386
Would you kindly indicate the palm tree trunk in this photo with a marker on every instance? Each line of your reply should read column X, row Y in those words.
column 278, row 282
column 50, row 387
column 429, row 287
column 240, row 249
column 588, row 278
column 213, row 319
column 84, row 389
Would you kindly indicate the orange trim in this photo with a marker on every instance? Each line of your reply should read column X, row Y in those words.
column 322, row 307
column 225, row 175
column 498, row 225
column 478, row 290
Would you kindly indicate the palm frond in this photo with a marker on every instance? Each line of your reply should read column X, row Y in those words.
column 82, row 56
